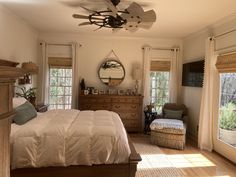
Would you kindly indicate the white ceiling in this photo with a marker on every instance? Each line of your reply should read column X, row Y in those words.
column 175, row 18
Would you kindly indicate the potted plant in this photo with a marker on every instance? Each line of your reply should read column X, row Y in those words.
column 228, row 124
column 29, row 94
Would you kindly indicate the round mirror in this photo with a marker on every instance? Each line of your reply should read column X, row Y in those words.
column 111, row 72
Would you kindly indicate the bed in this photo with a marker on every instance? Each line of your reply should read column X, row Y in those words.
column 72, row 143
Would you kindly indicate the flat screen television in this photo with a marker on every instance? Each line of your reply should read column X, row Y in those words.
column 193, row 73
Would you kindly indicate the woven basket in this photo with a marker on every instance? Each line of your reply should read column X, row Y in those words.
column 175, row 141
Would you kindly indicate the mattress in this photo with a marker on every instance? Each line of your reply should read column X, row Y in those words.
column 69, row 137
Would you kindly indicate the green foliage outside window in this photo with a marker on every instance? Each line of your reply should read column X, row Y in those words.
column 228, row 101
column 159, row 89
column 228, row 117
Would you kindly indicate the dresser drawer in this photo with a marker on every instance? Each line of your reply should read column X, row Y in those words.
column 95, row 107
column 126, row 100
column 129, row 115
column 131, row 123
column 119, row 107
column 95, row 100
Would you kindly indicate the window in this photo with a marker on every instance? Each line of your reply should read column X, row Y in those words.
column 60, row 87
column 226, row 65
column 227, row 112
column 159, row 85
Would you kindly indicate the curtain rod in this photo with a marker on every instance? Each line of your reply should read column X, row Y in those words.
column 224, row 48
column 61, row 44
column 225, row 33
column 163, row 48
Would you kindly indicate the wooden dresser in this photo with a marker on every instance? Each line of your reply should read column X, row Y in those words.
column 128, row 107
column 8, row 73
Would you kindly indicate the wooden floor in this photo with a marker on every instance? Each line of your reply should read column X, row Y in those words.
column 191, row 162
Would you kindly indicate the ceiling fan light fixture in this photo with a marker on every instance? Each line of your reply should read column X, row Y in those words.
column 131, row 18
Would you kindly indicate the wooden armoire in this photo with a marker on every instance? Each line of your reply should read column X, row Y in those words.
column 8, row 74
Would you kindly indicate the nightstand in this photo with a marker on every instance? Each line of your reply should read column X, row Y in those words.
column 149, row 117
column 41, row 107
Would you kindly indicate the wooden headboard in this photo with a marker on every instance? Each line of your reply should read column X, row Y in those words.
column 8, row 74
column 8, row 70
column 8, row 63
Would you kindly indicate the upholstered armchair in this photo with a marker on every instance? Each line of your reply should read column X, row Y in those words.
column 170, row 129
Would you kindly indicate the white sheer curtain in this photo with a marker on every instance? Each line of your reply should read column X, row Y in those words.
column 174, row 76
column 75, row 75
column 44, row 74
column 146, row 75
column 208, row 105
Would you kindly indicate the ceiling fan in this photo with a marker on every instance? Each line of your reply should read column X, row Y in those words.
column 132, row 18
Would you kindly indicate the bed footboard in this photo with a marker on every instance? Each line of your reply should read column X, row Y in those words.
column 108, row 170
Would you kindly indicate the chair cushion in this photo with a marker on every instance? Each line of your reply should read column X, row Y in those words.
column 173, row 114
column 171, row 126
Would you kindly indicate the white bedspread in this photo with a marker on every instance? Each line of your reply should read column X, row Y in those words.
column 69, row 137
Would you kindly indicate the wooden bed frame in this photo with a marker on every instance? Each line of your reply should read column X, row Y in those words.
column 107, row 170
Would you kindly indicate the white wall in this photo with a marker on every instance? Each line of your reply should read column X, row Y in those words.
column 193, row 50
column 95, row 48
column 18, row 40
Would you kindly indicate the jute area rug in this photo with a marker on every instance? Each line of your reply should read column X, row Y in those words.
column 154, row 162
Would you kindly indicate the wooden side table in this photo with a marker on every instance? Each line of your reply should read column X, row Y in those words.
column 149, row 117
column 41, row 107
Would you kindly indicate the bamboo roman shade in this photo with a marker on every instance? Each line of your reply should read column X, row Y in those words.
column 160, row 66
column 59, row 62
column 226, row 63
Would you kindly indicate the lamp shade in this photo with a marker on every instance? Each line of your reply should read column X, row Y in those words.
column 137, row 74
column 30, row 67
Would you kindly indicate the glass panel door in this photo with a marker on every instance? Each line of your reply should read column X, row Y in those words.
column 227, row 110
column 225, row 119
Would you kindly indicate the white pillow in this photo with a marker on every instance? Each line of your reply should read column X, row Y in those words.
column 17, row 101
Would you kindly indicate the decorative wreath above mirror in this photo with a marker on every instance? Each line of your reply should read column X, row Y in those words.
column 111, row 72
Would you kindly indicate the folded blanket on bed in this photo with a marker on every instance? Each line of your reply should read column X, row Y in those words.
column 69, row 137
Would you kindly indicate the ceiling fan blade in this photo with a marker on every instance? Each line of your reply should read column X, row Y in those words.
column 84, row 17
column 146, row 25
column 132, row 30
column 149, row 16
column 126, row 3
column 111, row 7
column 85, row 23
column 135, row 9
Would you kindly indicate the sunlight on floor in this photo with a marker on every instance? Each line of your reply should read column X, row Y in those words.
column 177, row 161
column 190, row 160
